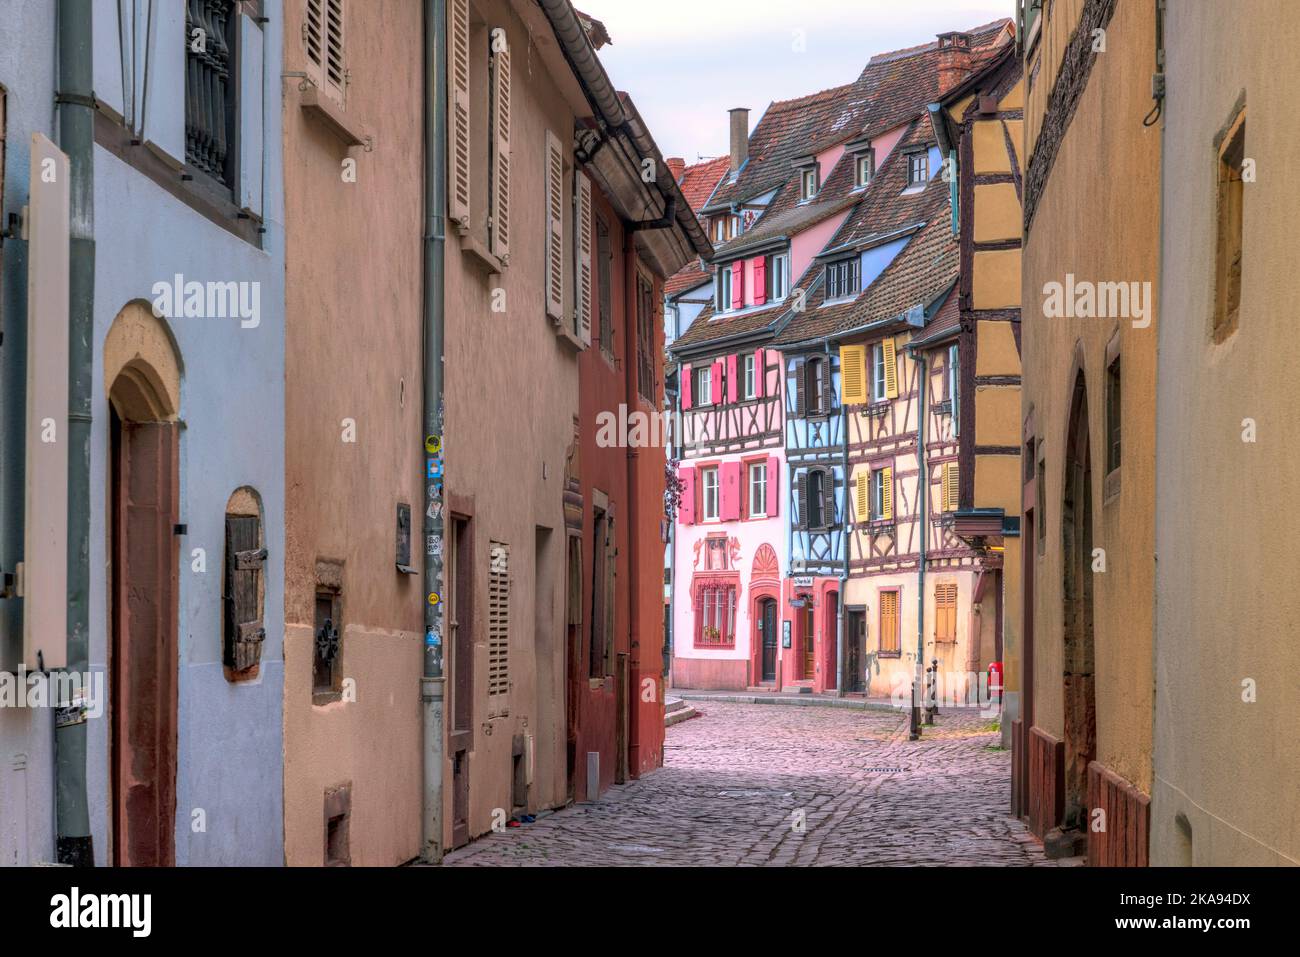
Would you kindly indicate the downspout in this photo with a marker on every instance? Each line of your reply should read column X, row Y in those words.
column 75, row 99
column 432, row 682
column 630, row 345
column 844, row 570
column 922, row 513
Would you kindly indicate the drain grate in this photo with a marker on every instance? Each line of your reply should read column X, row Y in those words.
column 884, row 769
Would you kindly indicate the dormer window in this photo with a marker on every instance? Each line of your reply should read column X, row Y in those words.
column 720, row 229
column 808, row 184
column 842, row 279
column 722, row 290
column 918, row 168
column 864, row 167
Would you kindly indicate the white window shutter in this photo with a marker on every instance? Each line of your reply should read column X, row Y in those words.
column 335, row 75
column 583, row 257
column 501, row 154
column 458, row 158
column 554, row 227
column 313, row 39
column 250, row 116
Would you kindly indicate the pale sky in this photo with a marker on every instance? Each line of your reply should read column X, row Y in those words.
column 686, row 62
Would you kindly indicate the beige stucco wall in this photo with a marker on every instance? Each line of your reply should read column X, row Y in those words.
column 996, row 280
column 1097, row 219
column 353, row 342
column 1226, row 519
column 511, row 396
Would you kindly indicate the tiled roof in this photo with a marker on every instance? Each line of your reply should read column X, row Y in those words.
column 785, row 222
column 698, row 180
column 707, row 326
column 946, row 322
column 688, row 277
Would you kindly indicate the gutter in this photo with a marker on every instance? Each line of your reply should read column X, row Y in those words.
column 76, row 116
column 432, row 680
column 923, row 517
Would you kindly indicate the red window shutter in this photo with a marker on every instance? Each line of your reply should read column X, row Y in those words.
column 760, row 373
column 729, row 509
column 686, row 387
column 686, row 510
column 760, row 280
column 716, row 384
column 732, row 391
column 773, row 484
column 737, row 284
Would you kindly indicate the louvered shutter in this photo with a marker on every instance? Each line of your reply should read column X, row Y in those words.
column 800, row 398
column 686, row 509
column 802, row 486
column 498, row 629
column 335, row 72
column 773, row 485
column 715, row 383
column 458, row 145
column 760, row 373
column 685, row 388
column 555, row 227
column 729, row 481
column 733, row 383
column 583, row 256
column 737, row 284
column 245, row 558
column 853, row 375
column 891, row 369
column 950, row 487
column 889, row 621
column 886, row 493
column 313, row 38
column 760, row 280
column 862, row 498
column 828, row 499
column 500, row 213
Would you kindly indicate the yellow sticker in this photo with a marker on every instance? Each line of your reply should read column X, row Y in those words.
column 433, row 444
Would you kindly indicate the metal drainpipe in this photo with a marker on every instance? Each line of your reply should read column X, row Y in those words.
column 844, row 571
column 844, row 514
column 75, row 99
column 922, row 510
column 631, row 289
column 432, row 682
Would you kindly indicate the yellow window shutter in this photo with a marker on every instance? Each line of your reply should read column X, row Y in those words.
column 887, row 492
column 950, row 487
column 891, row 369
column 862, row 498
column 554, row 227
column 458, row 151
column 853, row 375
column 583, row 256
column 500, row 235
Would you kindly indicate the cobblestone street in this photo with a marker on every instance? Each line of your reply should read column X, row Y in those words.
column 738, row 779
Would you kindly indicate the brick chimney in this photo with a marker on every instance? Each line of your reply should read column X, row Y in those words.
column 676, row 165
column 954, row 59
column 739, row 137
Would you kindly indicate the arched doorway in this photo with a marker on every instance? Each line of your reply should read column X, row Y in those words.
column 1077, row 584
column 142, row 377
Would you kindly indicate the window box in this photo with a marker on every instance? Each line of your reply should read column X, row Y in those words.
column 326, row 111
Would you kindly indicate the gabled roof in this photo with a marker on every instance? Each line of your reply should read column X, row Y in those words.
column 699, row 180
column 690, row 276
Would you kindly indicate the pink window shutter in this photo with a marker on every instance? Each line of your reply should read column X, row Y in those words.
column 760, row 280
column 730, row 479
column 686, row 387
column 737, row 284
column 686, row 510
column 716, row 383
column 773, row 484
column 760, row 373
column 732, row 391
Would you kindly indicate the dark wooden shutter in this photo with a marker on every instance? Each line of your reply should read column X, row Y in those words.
column 800, row 398
column 803, row 500
column 242, row 644
column 828, row 499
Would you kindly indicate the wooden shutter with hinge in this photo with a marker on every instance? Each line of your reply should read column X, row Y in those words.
column 886, row 493
column 245, row 558
column 950, row 487
column 554, row 227
column 945, row 611
column 889, row 621
column 891, row 369
column 862, row 498
column 322, row 35
column 500, row 213
column 853, row 375
column 828, row 499
column 458, row 138
column 800, row 395
column 498, row 629
column 582, row 306
column 802, row 486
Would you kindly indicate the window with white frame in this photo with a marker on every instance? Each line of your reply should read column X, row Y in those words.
column 709, row 484
column 749, row 376
column 954, row 411
column 722, row 299
column 878, row 373
column 918, row 168
column 778, row 278
column 878, row 494
column 703, row 384
column 864, row 168
column 758, row 490
column 808, row 183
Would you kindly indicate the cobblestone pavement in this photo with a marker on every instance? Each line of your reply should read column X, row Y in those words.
column 738, row 780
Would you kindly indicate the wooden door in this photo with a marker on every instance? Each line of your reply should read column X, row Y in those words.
column 809, row 643
column 767, row 626
column 144, row 661
column 855, row 648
